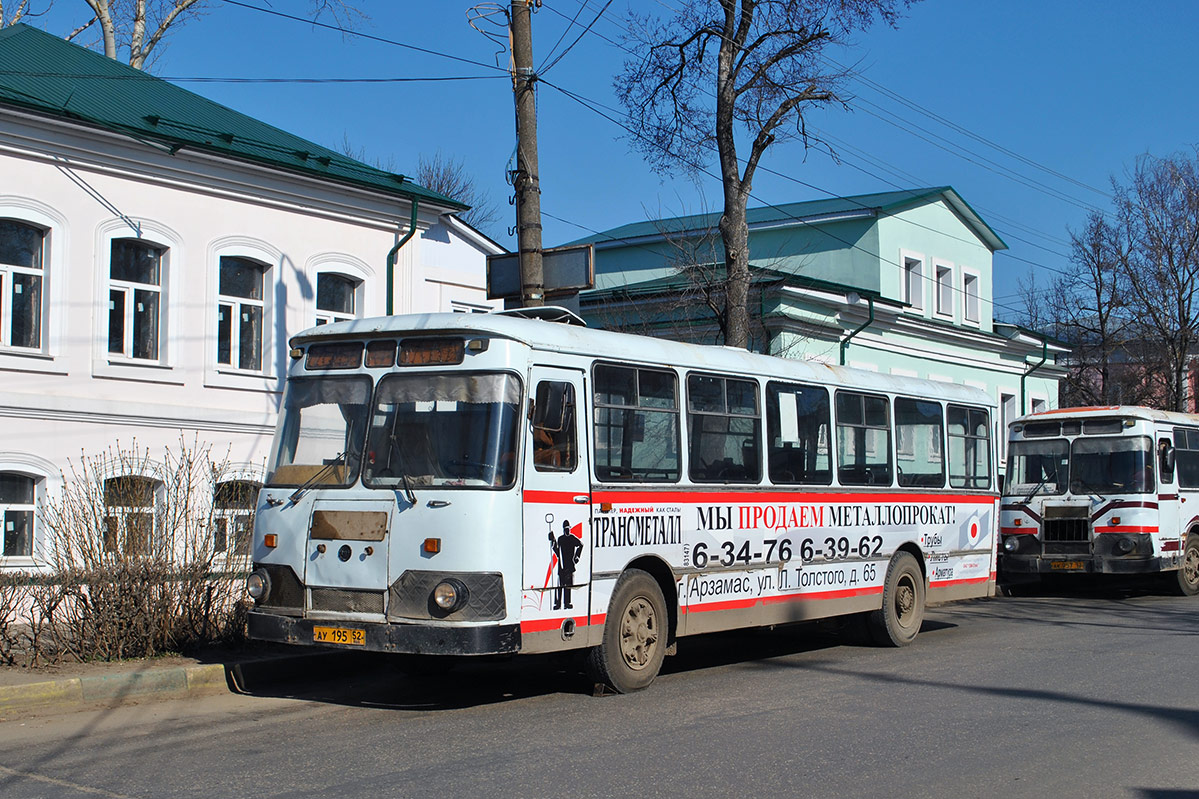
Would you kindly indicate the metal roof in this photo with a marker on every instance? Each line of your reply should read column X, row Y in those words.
column 47, row 75
column 809, row 212
column 566, row 339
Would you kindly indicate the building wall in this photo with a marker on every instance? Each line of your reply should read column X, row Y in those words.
column 85, row 188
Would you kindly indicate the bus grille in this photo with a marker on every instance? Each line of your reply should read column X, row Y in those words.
column 1067, row 536
column 342, row 600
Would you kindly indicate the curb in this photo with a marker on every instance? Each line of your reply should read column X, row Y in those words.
column 75, row 693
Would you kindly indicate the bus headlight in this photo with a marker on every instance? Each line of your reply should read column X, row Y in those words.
column 258, row 585
column 449, row 595
column 1124, row 545
column 1011, row 543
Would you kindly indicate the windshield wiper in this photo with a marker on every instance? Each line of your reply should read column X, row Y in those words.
column 1036, row 488
column 299, row 492
column 1090, row 487
column 408, row 495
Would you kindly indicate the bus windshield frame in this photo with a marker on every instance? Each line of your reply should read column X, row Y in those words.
column 318, row 440
column 1048, row 474
column 1116, row 465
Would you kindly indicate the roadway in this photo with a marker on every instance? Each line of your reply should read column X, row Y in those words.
column 1073, row 694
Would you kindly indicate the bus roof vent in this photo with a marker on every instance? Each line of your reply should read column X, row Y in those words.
column 547, row 313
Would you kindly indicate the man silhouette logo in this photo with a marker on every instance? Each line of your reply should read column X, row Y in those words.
column 568, row 549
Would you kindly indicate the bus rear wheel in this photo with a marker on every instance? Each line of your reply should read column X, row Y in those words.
column 1188, row 574
column 902, row 613
column 634, row 643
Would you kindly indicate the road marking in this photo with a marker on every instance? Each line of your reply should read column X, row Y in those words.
column 63, row 783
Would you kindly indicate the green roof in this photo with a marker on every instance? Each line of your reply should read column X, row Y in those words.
column 801, row 213
column 47, row 75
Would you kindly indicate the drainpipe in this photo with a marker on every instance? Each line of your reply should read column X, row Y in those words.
column 869, row 321
column 391, row 259
column 1035, row 367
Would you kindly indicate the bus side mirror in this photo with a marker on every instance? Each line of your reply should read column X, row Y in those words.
column 1168, row 456
column 549, row 409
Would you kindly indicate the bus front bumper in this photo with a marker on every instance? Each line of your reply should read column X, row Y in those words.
column 1079, row 564
column 416, row 639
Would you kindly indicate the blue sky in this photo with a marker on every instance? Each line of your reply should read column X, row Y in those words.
column 1079, row 89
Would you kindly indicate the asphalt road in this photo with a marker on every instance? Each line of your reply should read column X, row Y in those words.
column 1079, row 694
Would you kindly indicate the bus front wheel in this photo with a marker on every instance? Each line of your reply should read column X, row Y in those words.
column 1188, row 575
column 899, row 619
column 634, row 642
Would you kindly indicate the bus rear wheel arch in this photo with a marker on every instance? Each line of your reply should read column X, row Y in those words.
column 1188, row 572
column 898, row 621
column 636, row 633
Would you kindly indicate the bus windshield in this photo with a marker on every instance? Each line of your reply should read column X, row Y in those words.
column 444, row 430
column 319, row 438
column 1038, row 467
column 1115, row 465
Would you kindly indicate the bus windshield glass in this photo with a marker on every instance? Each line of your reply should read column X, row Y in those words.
column 1038, row 467
column 446, row 430
column 319, row 438
column 1115, row 465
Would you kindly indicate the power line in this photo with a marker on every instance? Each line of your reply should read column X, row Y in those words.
column 218, row 79
column 566, row 30
column 551, row 64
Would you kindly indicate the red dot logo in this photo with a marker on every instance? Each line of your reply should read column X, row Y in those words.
column 973, row 530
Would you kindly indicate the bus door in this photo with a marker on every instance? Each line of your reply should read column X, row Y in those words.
column 1169, row 505
column 557, row 506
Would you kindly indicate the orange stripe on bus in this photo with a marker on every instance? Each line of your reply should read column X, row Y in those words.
column 1126, row 528
column 545, row 625
column 737, row 604
column 752, row 497
column 962, row 581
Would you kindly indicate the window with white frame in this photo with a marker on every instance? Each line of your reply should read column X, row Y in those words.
column 913, row 282
column 336, row 298
column 945, row 290
column 129, row 514
column 135, row 299
column 241, row 309
column 21, row 271
column 17, row 492
column 233, row 516
column 970, row 290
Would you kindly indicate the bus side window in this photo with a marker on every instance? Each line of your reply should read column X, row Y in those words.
column 1166, row 455
column 554, row 443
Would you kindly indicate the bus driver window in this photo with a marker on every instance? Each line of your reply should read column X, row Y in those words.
column 554, row 427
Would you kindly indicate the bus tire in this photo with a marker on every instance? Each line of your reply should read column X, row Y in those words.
column 1188, row 572
column 635, row 635
column 898, row 621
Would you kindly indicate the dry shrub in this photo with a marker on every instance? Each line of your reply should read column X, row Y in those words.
column 135, row 569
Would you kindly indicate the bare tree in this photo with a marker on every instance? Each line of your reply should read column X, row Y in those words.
column 1158, row 213
column 720, row 67
column 448, row 176
column 138, row 27
column 13, row 12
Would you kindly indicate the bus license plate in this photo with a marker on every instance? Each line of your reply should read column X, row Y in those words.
column 339, row 635
column 1068, row 566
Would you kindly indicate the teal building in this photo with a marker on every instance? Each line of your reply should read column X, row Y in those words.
column 897, row 282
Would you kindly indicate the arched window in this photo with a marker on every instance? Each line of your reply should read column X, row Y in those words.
column 240, row 312
column 337, row 298
column 17, row 492
column 233, row 516
column 129, row 514
column 21, row 273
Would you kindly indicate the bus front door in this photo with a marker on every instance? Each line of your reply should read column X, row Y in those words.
column 556, row 596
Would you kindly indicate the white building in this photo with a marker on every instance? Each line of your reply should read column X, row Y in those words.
column 158, row 250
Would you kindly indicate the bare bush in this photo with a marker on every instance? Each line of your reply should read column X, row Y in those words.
column 140, row 563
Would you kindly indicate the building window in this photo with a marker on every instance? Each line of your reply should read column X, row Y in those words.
column 913, row 282
column 336, row 298
column 1007, row 415
column 945, row 290
column 240, row 311
column 21, row 259
column 970, row 290
column 135, row 299
column 233, row 516
column 17, row 493
column 129, row 515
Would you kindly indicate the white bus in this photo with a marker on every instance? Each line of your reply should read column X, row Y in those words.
column 464, row 484
column 1104, row 491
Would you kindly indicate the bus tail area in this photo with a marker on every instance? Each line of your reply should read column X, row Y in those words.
column 1102, row 491
column 485, row 484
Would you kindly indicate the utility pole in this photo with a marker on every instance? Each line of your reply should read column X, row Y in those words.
column 525, row 181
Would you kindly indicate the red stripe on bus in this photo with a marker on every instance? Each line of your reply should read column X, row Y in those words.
column 962, row 581
column 1171, row 546
column 738, row 604
column 551, row 497
column 545, row 625
column 1018, row 530
column 696, row 497
column 1126, row 528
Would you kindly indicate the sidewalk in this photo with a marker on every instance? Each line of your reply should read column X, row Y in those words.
column 75, row 686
